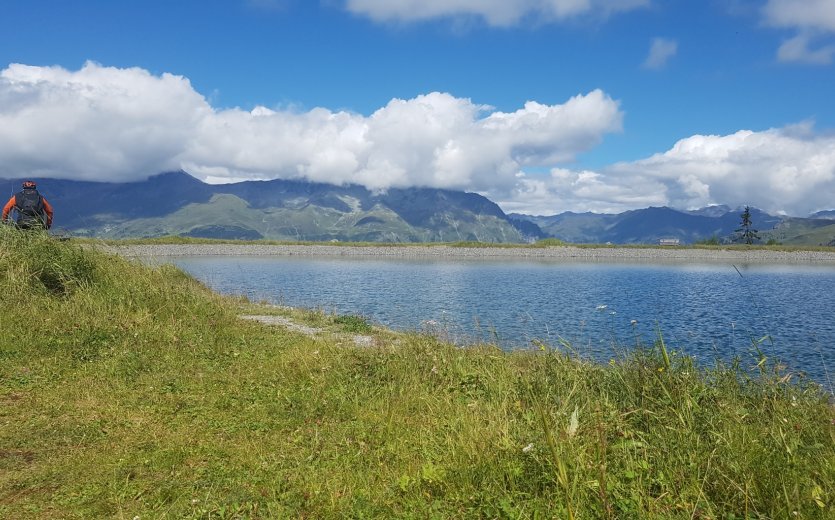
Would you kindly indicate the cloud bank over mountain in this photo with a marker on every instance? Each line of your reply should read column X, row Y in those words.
column 110, row 124
column 788, row 170
column 103, row 123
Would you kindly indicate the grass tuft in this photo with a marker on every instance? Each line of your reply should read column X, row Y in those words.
column 355, row 324
column 549, row 242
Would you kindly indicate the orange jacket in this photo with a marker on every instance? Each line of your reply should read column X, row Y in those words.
column 47, row 207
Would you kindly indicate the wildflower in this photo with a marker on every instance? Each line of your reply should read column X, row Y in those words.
column 528, row 448
column 434, row 369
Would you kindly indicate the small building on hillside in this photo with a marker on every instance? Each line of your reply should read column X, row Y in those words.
column 668, row 242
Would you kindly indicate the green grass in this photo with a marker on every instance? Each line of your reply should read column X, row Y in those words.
column 351, row 323
column 129, row 391
column 713, row 240
column 549, row 242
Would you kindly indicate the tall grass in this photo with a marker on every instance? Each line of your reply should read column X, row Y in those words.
column 129, row 391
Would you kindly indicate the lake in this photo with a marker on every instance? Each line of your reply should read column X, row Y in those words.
column 600, row 309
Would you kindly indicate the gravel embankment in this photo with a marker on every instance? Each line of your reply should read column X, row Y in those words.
column 569, row 253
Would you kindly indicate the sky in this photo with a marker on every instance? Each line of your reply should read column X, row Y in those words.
column 543, row 106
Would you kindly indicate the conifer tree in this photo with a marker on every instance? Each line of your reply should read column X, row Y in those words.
column 747, row 233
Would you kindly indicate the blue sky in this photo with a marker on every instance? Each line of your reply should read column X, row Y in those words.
column 733, row 106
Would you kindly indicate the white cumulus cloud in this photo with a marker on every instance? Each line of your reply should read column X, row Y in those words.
column 499, row 13
column 95, row 123
column 789, row 170
column 433, row 140
column 105, row 123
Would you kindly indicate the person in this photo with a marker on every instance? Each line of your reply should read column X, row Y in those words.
column 33, row 210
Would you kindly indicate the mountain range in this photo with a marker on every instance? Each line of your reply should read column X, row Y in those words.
column 718, row 224
column 175, row 203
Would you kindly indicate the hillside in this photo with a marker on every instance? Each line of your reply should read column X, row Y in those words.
column 805, row 231
column 141, row 394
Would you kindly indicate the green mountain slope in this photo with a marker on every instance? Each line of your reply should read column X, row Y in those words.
column 175, row 203
column 803, row 232
column 230, row 217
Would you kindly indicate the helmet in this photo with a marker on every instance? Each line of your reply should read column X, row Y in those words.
column 29, row 185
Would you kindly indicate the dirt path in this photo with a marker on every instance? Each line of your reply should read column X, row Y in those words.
column 281, row 321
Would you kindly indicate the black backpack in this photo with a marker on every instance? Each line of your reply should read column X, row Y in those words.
column 30, row 210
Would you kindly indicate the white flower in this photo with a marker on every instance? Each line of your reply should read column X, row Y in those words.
column 527, row 448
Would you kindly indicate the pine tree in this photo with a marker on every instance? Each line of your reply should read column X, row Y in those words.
column 746, row 231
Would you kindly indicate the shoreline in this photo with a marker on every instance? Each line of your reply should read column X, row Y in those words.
column 564, row 253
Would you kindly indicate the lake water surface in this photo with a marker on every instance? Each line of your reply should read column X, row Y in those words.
column 708, row 311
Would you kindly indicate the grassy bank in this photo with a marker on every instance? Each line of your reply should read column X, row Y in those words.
column 128, row 391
